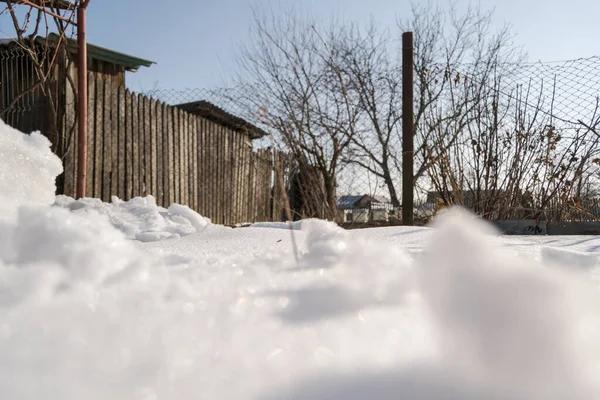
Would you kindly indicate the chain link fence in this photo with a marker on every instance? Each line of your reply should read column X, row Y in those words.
column 509, row 141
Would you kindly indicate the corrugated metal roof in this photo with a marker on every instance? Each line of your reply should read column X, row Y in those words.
column 130, row 63
column 216, row 114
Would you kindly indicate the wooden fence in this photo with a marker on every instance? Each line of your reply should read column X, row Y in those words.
column 138, row 146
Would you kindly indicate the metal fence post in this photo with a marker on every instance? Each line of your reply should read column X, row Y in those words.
column 407, row 128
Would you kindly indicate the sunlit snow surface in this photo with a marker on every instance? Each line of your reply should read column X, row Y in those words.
column 208, row 312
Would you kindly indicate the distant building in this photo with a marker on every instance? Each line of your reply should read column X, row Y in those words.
column 364, row 208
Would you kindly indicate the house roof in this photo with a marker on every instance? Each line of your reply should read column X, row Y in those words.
column 130, row 63
column 215, row 114
column 348, row 201
column 353, row 200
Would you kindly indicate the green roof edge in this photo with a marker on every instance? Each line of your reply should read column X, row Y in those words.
column 130, row 63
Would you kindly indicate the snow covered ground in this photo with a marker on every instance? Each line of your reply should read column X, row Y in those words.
column 132, row 301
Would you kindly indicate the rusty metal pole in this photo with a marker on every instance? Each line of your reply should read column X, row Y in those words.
column 82, row 97
column 407, row 128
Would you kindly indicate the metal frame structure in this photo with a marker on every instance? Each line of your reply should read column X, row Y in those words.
column 82, row 94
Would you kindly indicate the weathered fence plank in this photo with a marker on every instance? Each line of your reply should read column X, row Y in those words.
column 203, row 170
column 159, row 154
column 129, row 144
column 154, row 111
column 91, row 130
column 193, row 179
column 171, row 169
column 114, row 134
column 184, row 143
column 107, row 142
column 70, row 157
column 122, row 132
column 147, row 147
column 98, row 137
column 135, row 143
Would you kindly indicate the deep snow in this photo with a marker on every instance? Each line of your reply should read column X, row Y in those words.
column 209, row 312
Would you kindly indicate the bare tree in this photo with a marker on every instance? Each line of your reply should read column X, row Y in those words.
column 332, row 98
column 371, row 86
column 288, row 65
column 44, row 59
column 512, row 158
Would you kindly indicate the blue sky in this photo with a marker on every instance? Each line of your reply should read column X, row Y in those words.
column 194, row 41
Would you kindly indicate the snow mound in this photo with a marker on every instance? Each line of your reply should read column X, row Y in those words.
column 570, row 259
column 516, row 330
column 88, row 313
column 296, row 225
column 55, row 251
column 140, row 218
column 28, row 170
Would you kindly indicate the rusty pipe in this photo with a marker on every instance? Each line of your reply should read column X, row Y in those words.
column 82, row 101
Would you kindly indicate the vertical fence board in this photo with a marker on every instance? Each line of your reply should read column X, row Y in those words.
column 154, row 112
column 214, row 157
column 210, row 164
column 129, row 153
column 159, row 154
column 122, row 129
column 246, row 153
column 245, row 202
column 259, row 187
column 135, row 139
column 188, row 167
column 261, row 184
column 167, row 154
column 269, row 185
column 171, row 169
column 91, row 129
column 207, row 133
column 251, row 186
column 278, row 187
column 184, row 159
column 219, row 176
column 230, row 205
column 98, row 138
column 147, row 147
column 199, row 166
column 193, row 178
column 107, row 142
column 70, row 156
column 174, row 173
column 114, row 134
column 142, row 145
column 235, row 215
column 225, row 178
column 203, row 170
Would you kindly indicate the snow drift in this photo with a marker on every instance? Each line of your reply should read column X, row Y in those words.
column 140, row 218
column 86, row 312
column 27, row 170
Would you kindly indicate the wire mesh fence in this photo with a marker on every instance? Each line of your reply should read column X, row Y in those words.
column 509, row 141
